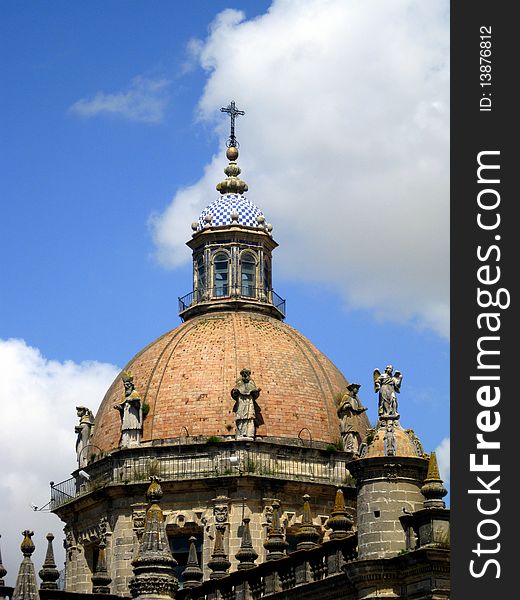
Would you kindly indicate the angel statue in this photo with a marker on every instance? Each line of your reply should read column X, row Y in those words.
column 388, row 384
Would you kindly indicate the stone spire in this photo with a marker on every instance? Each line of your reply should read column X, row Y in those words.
column 433, row 490
column 276, row 545
column 49, row 574
column 3, row 571
column 307, row 535
column 26, row 587
column 101, row 580
column 154, row 574
column 339, row 521
column 246, row 555
column 219, row 563
column 192, row 574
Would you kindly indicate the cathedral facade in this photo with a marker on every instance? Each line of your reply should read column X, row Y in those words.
column 231, row 459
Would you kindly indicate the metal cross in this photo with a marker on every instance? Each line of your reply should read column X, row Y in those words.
column 233, row 112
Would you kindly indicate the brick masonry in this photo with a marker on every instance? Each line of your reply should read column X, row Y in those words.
column 186, row 377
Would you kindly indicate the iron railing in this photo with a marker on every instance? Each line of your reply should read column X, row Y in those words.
column 201, row 462
column 245, row 292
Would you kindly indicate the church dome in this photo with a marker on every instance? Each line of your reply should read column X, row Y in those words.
column 186, row 378
column 231, row 209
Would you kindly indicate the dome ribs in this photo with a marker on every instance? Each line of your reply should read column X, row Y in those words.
column 186, row 377
column 182, row 332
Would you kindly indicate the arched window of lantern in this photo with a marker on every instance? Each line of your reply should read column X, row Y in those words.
column 221, row 274
column 201, row 275
column 267, row 269
column 248, row 274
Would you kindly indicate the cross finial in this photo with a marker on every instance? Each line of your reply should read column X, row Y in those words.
column 233, row 112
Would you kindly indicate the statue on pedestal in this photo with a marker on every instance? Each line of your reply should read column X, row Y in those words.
column 247, row 412
column 84, row 431
column 349, row 406
column 388, row 385
column 131, row 413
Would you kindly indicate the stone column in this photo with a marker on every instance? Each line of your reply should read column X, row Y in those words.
column 388, row 486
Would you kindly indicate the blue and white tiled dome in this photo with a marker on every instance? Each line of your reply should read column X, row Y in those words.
column 228, row 206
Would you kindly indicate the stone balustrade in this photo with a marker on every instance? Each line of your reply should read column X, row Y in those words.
column 202, row 461
column 299, row 568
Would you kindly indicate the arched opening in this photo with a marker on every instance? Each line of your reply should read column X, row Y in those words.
column 248, row 275
column 179, row 541
column 91, row 555
column 221, row 274
column 201, row 278
column 266, row 277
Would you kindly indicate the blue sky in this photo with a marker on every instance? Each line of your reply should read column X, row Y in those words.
column 113, row 142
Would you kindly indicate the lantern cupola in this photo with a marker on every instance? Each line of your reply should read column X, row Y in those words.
column 232, row 246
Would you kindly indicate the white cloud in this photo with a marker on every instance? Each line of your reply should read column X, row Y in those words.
column 345, row 146
column 443, row 459
column 37, row 444
column 145, row 101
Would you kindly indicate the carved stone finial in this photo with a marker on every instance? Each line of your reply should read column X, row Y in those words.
column 232, row 184
column 339, row 520
column 433, row 490
column 154, row 567
column 276, row 545
column 433, row 469
column 49, row 574
column 192, row 574
column 154, row 492
column 27, row 545
column 3, row 571
column 101, row 580
column 246, row 555
column 247, row 412
column 26, row 587
column 307, row 535
column 219, row 563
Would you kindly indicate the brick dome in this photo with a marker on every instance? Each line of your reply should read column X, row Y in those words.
column 406, row 444
column 187, row 374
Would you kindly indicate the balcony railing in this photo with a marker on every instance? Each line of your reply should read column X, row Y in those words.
column 225, row 292
column 202, row 461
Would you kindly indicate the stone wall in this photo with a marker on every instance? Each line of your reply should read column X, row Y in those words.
column 199, row 505
column 388, row 488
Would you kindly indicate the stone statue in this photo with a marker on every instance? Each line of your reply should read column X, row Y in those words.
column 247, row 411
column 84, row 431
column 388, row 384
column 349, row 406
column 389, row 439
column 131, row 413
